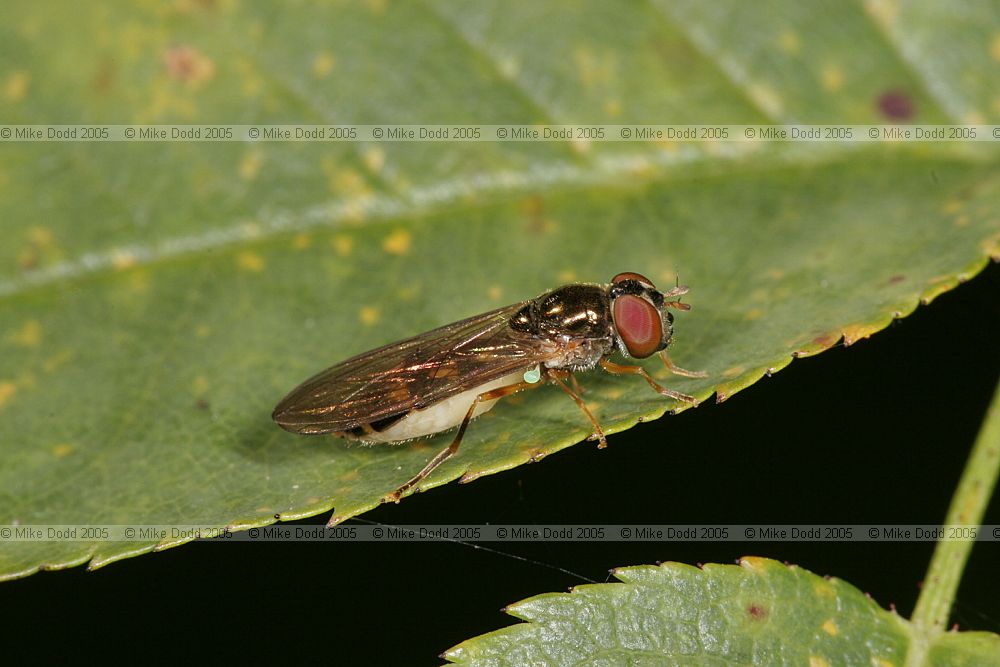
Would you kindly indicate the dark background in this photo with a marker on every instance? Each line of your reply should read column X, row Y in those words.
column 876, row 432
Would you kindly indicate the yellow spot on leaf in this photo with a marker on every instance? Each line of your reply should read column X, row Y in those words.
column 250, row 165
column 992, row 246
column 824, row 590
column 883, row 11
column 16, row 86
column 29, row 335
column 40, row 236
column 344, row 181
column 408, row 292
column 398, row 242
column 62, row 450
column 567, row 275
column 733, row 372
column 374, row 159
column 830, row 628
column 369, row 315
column 356, row 208
column 323, row 64
column 251, row 84
column 580, row 145
column 301, row 241
column 343, row 244
column 613, row 108
column 494, row 292
column 123, row 258
column 509, row 66
column 832, row 78
column 962, row 221
column 995, row 47
column 594, row 69
column 952, row 206
column 202, row 331
column 665, row 145
column 250, row 261
column 767, row 98
column 974, row 118
column 816, row 661
column 855, row 332
column 200, row 384
column 882, row 662
column 614, row 393
column 7, row 390
column 138, row 281
column 377, row 7
column 754, row 314
column 53, row 363
column 789, row 41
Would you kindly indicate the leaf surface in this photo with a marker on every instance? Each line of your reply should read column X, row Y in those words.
column 158, row 299
column 759, row 612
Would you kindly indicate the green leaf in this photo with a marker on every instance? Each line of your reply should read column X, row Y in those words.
column 760, row 612
column 158, row 299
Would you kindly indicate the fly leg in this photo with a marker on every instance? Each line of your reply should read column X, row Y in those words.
column 450, row 450
column 619, row 369
column 677, row 370
column 557, row 376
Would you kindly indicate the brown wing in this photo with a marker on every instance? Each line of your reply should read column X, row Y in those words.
column 410, row 374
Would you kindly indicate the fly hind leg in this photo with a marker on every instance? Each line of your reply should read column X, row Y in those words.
column 558, row 376
column 450, row 450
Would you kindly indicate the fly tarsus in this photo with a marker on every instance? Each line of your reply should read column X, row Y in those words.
column 620, row 369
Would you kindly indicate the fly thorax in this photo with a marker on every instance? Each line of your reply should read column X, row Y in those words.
column 581, row 355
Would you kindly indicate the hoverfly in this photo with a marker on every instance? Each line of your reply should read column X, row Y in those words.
column 444, row 378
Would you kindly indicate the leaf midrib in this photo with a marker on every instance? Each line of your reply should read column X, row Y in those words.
column 490, row 187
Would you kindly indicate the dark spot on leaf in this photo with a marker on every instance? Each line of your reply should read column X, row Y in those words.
column 757, row 612
column 277, row 517
column 896, row 279
column 201, row 404
column 896, row 105
column 104, row 79
column 824, row 341
column 187, row 64
column 534, row 210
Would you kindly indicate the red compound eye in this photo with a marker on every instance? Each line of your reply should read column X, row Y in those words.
column 639, row 325
column 633, row 276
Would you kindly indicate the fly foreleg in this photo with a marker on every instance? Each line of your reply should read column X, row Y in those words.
column 619, row 369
